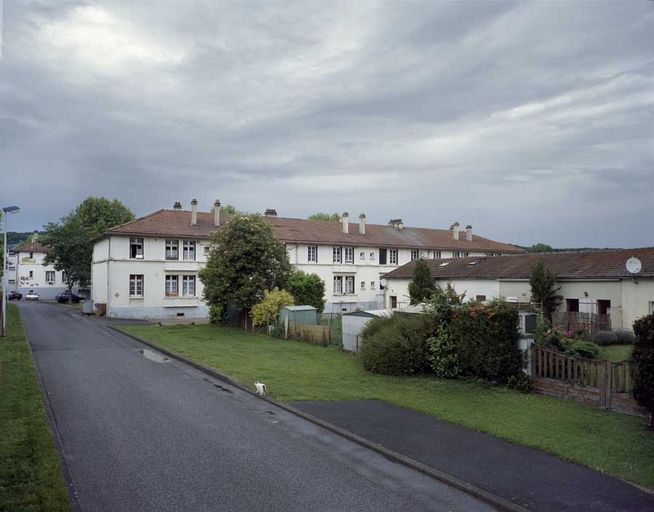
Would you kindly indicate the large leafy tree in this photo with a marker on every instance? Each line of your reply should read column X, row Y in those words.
column 544, row 292
column 71, row 239
column 245, row 260
column 421, row 287
column 307, row 289
column 324, row 216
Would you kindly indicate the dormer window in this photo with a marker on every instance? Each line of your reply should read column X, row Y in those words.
column 136, row 248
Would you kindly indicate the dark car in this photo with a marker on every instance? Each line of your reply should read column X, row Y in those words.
column 63, row 297
column 14, row 295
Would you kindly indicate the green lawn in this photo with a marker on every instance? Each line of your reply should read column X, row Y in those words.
column 615, row 353
column 30, row 476
column 615, row 443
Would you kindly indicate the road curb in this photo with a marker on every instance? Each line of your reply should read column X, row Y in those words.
column 488, row 497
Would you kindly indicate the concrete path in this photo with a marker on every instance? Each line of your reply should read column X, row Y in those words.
column 525, row 476
column 143, row 434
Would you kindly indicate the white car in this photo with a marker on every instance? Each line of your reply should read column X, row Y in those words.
column 31, row 295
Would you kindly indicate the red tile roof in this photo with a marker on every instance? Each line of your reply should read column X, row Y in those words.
column 600, row 264
column 178, row 223
column 32, row 247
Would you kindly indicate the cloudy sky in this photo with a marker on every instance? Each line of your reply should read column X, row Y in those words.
column 531, row 121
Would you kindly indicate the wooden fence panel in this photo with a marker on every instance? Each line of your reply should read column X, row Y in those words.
column 599, row 383
column 316, row 334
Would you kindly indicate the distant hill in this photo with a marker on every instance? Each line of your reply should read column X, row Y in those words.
column 549, row 248
column 14, row 238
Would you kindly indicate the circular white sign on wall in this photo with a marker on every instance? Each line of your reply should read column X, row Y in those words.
column 634, row 265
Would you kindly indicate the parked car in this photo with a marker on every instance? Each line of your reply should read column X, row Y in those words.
column 14, row 295
column 31, row 295
column 62, row 297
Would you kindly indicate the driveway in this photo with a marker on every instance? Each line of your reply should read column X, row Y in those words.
column 140, row 433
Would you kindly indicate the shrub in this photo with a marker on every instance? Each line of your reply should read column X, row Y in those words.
column 520, row 382
column 604, row 338
column 624, row 337
column 643, row 363
column 486, row 337
column 443, row 354
column 396, row 345
column 586, row 349
column 266, row 311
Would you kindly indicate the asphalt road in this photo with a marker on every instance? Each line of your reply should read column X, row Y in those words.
column 138, row 434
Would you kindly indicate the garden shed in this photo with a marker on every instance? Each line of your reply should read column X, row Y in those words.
column 355, row 322
column 307, row 315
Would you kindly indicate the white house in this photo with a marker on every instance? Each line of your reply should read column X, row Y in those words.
column 147, row 268
column 595, row 285
column 28, row 272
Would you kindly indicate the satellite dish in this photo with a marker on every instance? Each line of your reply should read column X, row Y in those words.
column 383, row 282
column 634, row 265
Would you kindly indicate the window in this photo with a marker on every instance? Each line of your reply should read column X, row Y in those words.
column 49, row 276
column 172, row 286
column 393, row 301
column 415, row 254
column 188, row 286
column 337, row 254
column 31, row 274
column 31, row 255
column 64, row 278
column 188, row 250
column 312, row 254
column 382, row 256
column 572, row 305
column 372, row 285
column 136, row 285
column 459, row 254
column 372, row 256
column 480, row 298
column 349, row 254
column 349, row 285
column 363, row 285
column 172, row 249
column 437, row 255
column 651, row 306
column 338, row 285
column 362, row 255
column 207, row 250
column 136, row 248
column 393, row 256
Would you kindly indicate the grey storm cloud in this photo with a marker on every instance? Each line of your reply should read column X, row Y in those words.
column 531, row 121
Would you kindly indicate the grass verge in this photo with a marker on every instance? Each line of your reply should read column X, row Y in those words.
column 30, row 475
column 613, row 443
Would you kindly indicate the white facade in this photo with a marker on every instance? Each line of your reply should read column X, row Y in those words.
column 152, row 282
column 354, row 282
column 27, row 272
column 629, row 299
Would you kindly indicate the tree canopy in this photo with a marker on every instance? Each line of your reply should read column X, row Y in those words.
column 421, row 287
column 544, row 292
column 307, row 289
column 71, row 239
column 324, row 216
column 245, row 260
column 540, row 248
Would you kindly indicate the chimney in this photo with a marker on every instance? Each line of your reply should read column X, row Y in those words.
column 346, row 222
column 396, row 223
column 362, row 224
column 194, row 212
column 216, row 213
column 270, row 212
column 177, row 205
column 455, row 230
column 469, row 233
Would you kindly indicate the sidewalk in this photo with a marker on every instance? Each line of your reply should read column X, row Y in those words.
column 522, row 475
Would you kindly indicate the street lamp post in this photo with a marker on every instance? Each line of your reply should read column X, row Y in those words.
column 6, row 210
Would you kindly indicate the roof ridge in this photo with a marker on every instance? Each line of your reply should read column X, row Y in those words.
column 135, row 220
